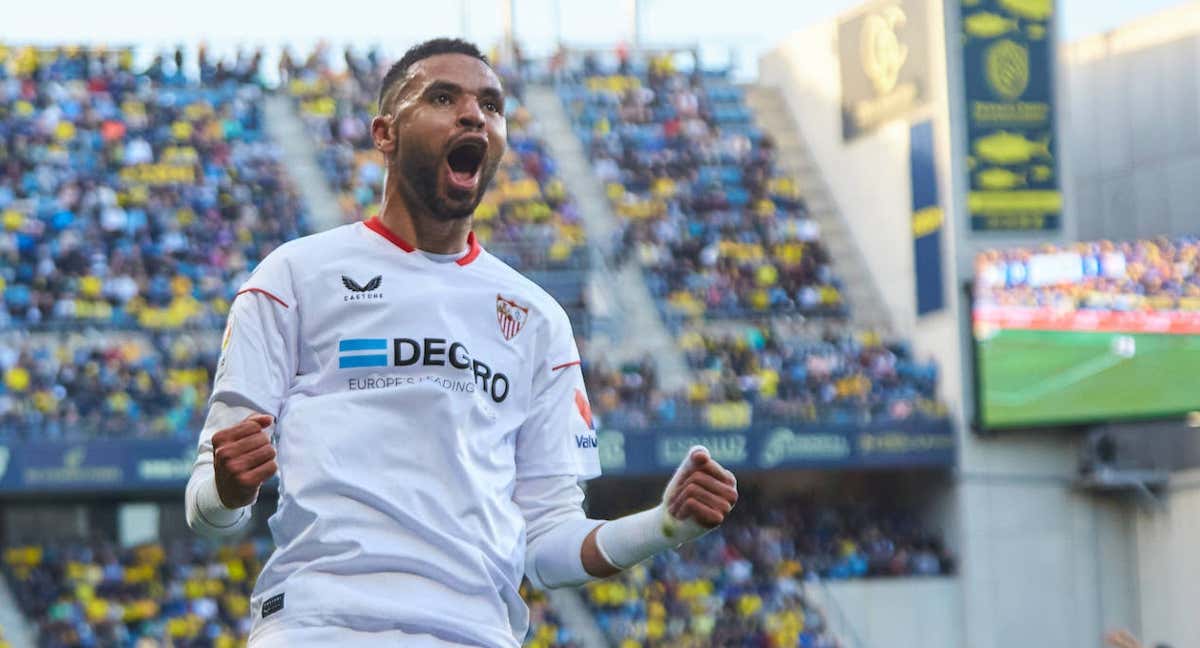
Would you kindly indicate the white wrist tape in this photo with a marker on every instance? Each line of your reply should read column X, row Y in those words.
column 628, row 541
column 213, row 509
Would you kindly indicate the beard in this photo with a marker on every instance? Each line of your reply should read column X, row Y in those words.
column 420, row 174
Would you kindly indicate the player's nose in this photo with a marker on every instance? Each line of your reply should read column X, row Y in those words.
column 471, row 115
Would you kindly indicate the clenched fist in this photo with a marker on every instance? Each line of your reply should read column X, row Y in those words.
column 243, row 458
column 701, row 490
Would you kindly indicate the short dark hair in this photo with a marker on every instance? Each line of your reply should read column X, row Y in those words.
column 420, row 51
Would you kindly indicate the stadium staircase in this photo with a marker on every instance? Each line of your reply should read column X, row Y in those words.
column 289, row 133
column 576, row 617
column 867, row 307
column 16, row 628
column 639, row 328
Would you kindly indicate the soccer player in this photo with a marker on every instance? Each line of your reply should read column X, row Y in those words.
column 422, row 404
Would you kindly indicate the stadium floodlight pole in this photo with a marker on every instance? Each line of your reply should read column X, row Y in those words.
column 558, row 36
column 508, row 9
column 634, row 8
column 464, row 18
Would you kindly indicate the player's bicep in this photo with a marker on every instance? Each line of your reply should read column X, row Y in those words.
column 258, row 353
column 559, row 436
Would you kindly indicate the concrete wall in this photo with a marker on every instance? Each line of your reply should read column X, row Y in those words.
column 1132, row 137
column 1169, row 566
column 1042, row 563
column 896, row 613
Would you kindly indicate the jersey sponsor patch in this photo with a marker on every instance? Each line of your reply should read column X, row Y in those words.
column 360, row 292
column 511, row 316
column 272, row 605
column 585, row 409
column 405, row 353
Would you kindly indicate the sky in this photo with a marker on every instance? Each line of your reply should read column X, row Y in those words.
column 738, row 30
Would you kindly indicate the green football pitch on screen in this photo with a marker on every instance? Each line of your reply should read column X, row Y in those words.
column 1031, row 378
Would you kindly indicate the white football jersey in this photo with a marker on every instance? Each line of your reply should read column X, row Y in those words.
column 410, row 394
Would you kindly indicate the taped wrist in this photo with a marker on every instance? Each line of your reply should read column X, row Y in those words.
column 628, row 541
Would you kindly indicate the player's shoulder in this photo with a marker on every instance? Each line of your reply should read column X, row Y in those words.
column 523, row 291
column 282, row 265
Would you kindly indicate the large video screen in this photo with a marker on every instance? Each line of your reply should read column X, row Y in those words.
column 1088, row 332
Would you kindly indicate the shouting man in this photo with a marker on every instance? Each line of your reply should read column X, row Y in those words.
column 422, row 404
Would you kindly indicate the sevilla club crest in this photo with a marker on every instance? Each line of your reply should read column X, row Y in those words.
column 511, row 317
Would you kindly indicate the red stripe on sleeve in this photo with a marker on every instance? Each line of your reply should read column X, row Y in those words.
column 565, row 365
column 260, row 290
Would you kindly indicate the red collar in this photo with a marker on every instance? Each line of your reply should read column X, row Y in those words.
column 373, row 223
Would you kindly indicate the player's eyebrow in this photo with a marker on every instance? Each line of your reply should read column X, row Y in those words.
column 443, row 86
column 489, row 92
column 493, row 93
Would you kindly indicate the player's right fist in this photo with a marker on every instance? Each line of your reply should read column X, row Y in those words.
column 243, row 458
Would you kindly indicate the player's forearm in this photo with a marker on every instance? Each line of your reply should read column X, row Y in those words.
column 622, row 543
column 205, row 512
column 594, row 562
column 566, row 549
column 694, row 502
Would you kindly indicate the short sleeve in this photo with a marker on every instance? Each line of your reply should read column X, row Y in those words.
column 558, row 436
column 259, row 349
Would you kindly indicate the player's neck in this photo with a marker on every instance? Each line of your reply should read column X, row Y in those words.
column 423, row 230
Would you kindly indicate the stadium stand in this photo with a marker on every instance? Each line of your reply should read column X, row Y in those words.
column 185, row 594
column 835, row 377
column 722, row 235
column 94, row 594
column 131, row 199
column 718, row 232
column 73, row 387
column 744, row 584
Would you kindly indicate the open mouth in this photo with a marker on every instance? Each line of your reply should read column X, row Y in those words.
column 464, row 162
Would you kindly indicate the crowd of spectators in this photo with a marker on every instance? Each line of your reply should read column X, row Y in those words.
column 133, row 198
column 722, row 235
column 80, row 386
column 184, row 594
column 1155, row 274
column 748, row 373
column 745, row 583
column 717, row 230
column 526, row 218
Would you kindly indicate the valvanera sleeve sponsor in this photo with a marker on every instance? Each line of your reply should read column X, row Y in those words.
column 259, row 349
column 558, row 436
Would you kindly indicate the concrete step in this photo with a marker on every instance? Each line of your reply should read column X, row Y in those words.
column 774, row 117
column 288, row 131
column 642, row 330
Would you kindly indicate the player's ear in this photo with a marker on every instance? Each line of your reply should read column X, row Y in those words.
column 383, row 135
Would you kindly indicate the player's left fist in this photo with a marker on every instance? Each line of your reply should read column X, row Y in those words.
column 701, row 490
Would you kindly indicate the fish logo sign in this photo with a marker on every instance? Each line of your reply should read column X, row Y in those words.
column 985, row 24
column 1007, row 65
column 1038, row 10
column 882, row 53
column 511, row 316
